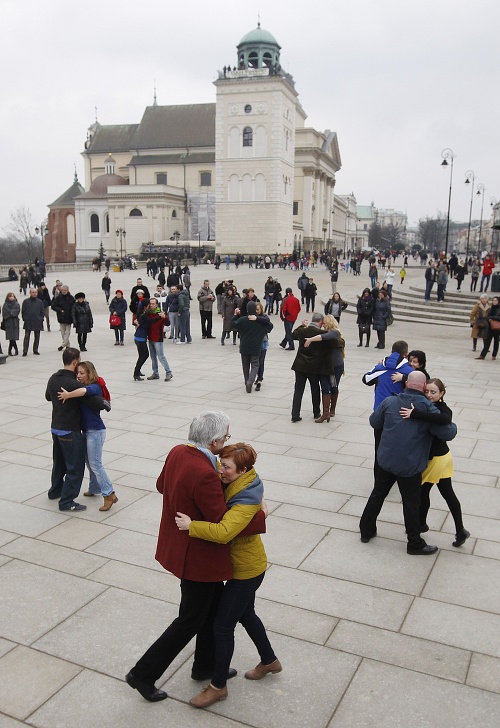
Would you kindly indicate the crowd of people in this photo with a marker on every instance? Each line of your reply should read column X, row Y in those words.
column 213, row 507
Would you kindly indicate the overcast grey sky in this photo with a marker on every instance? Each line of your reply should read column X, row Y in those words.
column 398, row 80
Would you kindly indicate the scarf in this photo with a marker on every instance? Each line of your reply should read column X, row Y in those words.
column 248, row 489
column 105, row 390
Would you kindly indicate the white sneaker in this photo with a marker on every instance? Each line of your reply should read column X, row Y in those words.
column 180, row 342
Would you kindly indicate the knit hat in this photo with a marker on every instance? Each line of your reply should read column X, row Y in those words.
column 251, row 308
column 139, row 290
column 79, row 295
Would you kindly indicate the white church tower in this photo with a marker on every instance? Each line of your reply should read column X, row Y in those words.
column 254, row 150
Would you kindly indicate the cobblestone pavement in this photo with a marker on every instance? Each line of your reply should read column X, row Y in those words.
column 366, row 633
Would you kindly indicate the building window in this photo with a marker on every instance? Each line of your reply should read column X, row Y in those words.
column 295, row 208
column 161, row 179
column 365, row 227
column 174, row 213
column 107, row 222
column 135, row 213
column 94, row 223
column 248, row 109
column 206, row 179
column 247, row 136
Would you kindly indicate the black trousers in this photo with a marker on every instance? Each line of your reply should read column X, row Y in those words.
column 300, row 382
column 26, row 342
column 143, row 355
column 197, row 610
column 206, row 323
column 410, row 489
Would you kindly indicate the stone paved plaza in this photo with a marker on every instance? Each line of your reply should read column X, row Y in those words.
column 366, row 633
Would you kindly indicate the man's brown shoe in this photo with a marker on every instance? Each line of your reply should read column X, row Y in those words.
column 108, row 502
column 262, row 670
column 208, row 696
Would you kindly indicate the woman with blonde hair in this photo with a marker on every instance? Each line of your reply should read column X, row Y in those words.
column 243, row 493
column 94, row 430
column 330, row 383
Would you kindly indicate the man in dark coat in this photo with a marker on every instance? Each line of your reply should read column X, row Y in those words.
column 32, row 313
column 252, row 330
column 63, row 306
column 190, row 483
column 309, row 364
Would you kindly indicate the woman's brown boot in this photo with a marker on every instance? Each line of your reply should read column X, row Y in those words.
column 333, row 404
column 325, row 399
column 108, row 502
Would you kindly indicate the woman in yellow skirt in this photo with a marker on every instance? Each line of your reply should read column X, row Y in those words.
column 439, row 469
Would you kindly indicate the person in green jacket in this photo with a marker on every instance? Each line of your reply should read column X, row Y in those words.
column 243, row 492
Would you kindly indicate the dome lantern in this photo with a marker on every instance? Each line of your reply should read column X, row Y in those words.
column 258, row 49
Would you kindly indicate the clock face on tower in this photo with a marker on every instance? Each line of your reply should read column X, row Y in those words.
column 248, row 109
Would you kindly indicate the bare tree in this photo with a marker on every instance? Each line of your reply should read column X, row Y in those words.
column 21, row 230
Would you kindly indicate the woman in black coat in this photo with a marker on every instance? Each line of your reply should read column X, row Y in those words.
column 335, row 306
column 82, row 320
column 365, row 307
column 10, row 320
column 381, row 314
column 118, row 307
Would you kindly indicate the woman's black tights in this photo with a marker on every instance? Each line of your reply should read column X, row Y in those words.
column 446, row 489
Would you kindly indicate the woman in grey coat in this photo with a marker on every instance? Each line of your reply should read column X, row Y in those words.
column 230, row 302
column 10, row 318
column 380, row 316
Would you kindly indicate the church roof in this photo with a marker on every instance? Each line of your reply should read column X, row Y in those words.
column 112, row 138
column 364, row 212
column 154, row 159
column 67, row 199
column 189, row 125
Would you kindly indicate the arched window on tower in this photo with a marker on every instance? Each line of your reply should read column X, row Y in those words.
column 267, row 59
column 174, row 213
column 107, row 222
column 247, row 136
column 94, row 223
column 253, row 60
column 135, row 212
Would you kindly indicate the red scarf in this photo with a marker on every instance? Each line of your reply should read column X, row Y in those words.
column 105, row 391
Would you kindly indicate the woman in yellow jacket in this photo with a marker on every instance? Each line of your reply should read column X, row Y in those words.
column 243, row 492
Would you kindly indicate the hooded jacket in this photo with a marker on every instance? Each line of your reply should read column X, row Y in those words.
column 380, row 376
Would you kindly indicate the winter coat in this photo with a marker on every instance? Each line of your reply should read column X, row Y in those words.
column 32, row 312
column 63, row 306
column 206, row 303
column 479, row 320
column 183, row 300
column 82, row 317
column 10, row 316
column 332, row 310
column 119, row 307
column 229, row 304
column 365, row 307
column 381, row 314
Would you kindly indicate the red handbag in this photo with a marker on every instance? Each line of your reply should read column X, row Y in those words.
column 114, row 321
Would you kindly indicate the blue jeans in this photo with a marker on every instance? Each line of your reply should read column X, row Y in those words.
column 288, row 335
column 428, row 289
column 483, row 279
column 325, row 381
column 156, row 352
column 68, row 453
column 99, row 479
column 185, row 326
column 262, row 359
column 237, row 604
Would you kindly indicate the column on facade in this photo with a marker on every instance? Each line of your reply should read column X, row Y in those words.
column 318, row 202
column 308, row 201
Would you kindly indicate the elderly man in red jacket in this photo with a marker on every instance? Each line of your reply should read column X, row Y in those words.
column 190, row 483
column 290, row 309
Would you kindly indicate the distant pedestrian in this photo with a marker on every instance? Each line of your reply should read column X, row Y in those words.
column 82, row 320
column 106, row 286
column 33, row 316
column 10, row 322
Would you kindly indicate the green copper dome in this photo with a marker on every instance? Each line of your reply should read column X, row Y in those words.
column 259, row 35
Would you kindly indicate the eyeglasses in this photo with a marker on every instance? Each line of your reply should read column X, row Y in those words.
column 226, row 437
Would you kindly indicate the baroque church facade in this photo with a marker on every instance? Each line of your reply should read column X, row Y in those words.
column 244, row 173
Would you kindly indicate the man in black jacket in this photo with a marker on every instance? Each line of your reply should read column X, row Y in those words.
column 32, row 313
column 252, row 330
column 63, row 306
column 68, row 442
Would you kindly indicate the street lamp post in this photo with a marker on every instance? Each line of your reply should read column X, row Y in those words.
column 43, row 230
column 121, row 233
column 480, row 191
column 493, row 205
column 469, row 180
column 448, row 154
